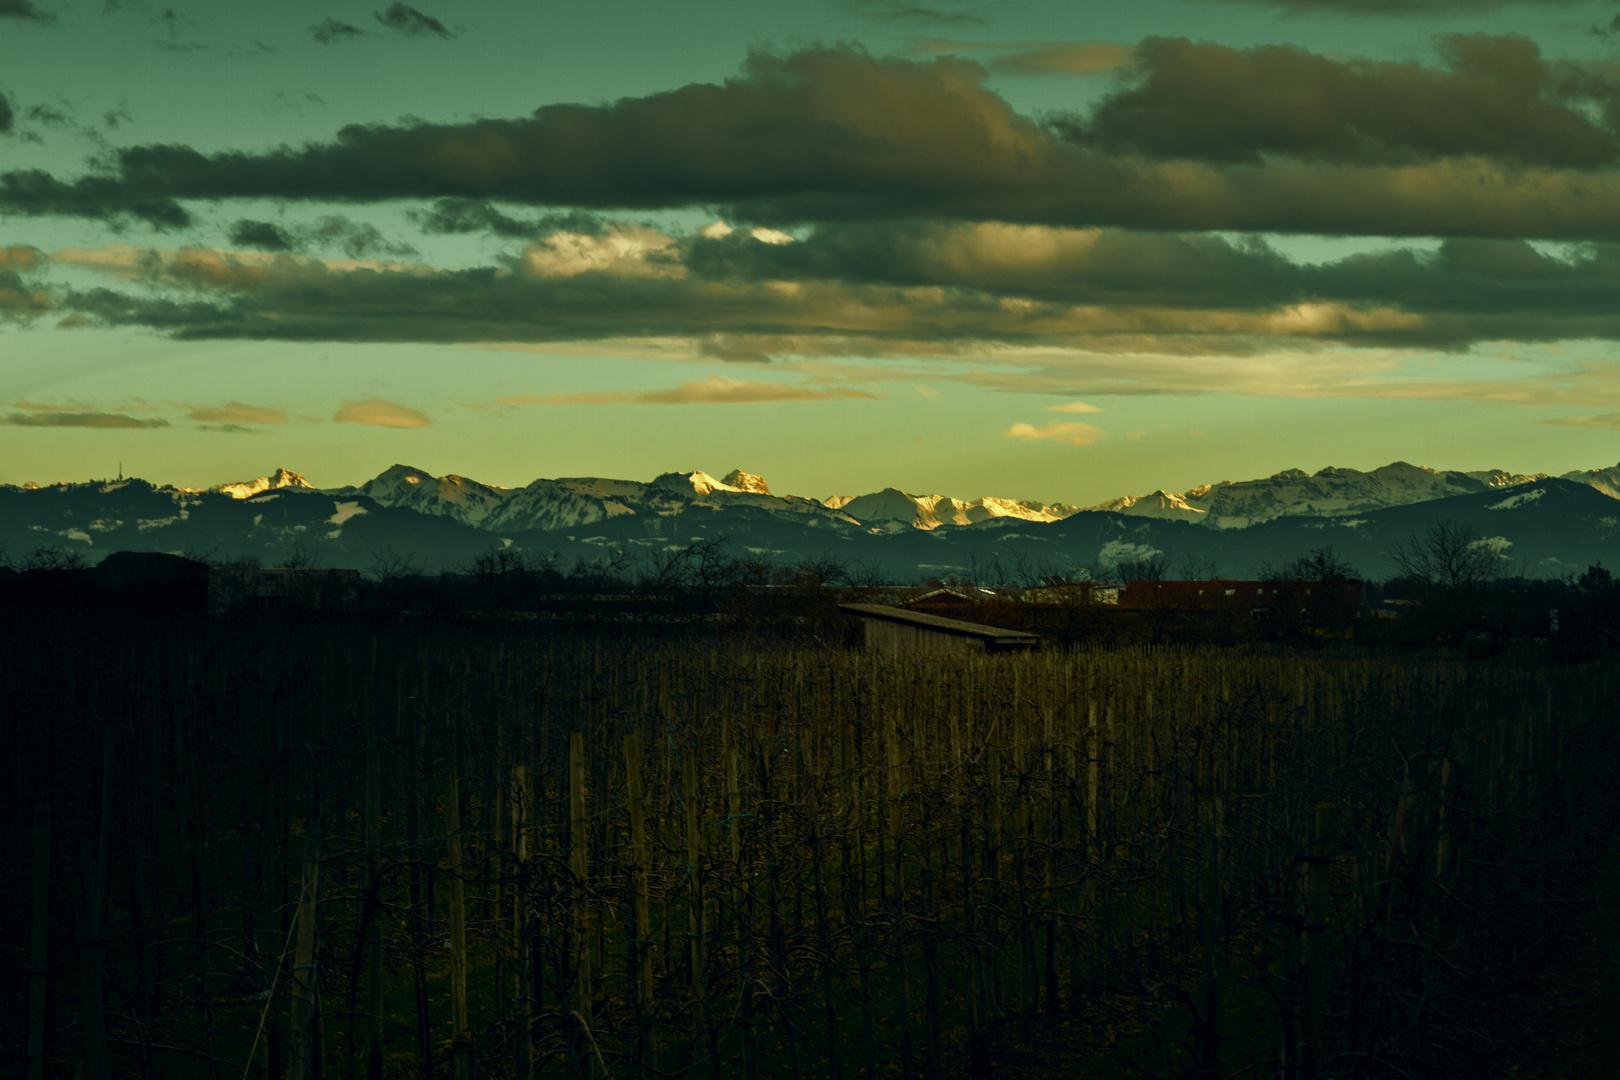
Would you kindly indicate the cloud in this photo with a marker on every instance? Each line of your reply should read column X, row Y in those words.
column 264, row 235
column 907, row 12
column 333, row 232
column 1604, row 422
column 374, row 412
column 18, row 298
column 329, row 30
column 1496, row 98
column 79, row 419
column 903, row 290
column 1074, row 434
column 460, row 216
column 411, row 22
column 236, row 413
column 8, row 115
column 711, row 390
column 20, row 257
column 24, row 9
column 228, row 429
column 834, row 135
column 1073, row 407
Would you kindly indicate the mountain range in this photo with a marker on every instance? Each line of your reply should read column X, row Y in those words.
column 1541, row 525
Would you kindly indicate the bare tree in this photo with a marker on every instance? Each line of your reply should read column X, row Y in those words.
column 1448, row 554
column 1150, row 567
column 391, row 567
column 53, row 557
column 1448, row 568
column 1323, row 565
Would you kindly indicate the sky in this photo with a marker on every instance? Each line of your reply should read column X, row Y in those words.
column 1062, row 251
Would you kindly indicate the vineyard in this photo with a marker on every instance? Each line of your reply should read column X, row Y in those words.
column 294, row 849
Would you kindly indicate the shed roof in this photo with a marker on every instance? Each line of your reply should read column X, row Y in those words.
column 994, row 634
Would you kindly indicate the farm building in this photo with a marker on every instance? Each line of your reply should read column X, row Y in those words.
column 896, row 630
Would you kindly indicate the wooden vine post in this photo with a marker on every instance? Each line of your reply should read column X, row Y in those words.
column 1209, row 1064
column 641, row 940
column 1319, row 862
column 579, row 866
column 461, row 1048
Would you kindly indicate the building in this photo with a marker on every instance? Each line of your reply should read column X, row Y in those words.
column 894, row 630
column 1072, row 593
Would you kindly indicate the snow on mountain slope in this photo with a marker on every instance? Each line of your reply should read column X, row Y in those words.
column 569, row 503
column 738, row 480
column 1164, row 505
column 456, row 497
column 1604, row 480
column 892, row 509
column 246, row 489
column 1329, row 493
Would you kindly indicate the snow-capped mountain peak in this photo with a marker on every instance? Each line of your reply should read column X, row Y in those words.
column 281, row 478
column 697, row 482
column 897, row 509
column 738, row 480
column 1160, row 504
column 1331, row 492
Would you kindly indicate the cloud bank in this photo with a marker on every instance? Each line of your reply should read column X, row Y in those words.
column 1506, row 144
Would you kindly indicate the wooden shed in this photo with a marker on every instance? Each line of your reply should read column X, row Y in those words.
column 892, row 630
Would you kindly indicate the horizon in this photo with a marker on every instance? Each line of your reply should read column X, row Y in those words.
column 924, row 492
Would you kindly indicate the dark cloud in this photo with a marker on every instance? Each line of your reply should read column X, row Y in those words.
column 8, row 115
column 459, row 216
column 1467, row 291
column 263, row 235
column 832, row 134
column 892, row 290
column 49, row 115
column 18, row 300
column 411, row 22
column 1497, row 98
column 79, row 419
column 355, row 239
column 905, row 12
column 333, row 233
column 35, row 192
column 329, row 30
column 23, row 9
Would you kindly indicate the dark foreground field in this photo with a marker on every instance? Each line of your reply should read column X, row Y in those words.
column 336, row 849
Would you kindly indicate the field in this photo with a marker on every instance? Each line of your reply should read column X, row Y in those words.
column 339, row 849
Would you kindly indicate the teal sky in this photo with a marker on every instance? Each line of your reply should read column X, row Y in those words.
column 1057, row 251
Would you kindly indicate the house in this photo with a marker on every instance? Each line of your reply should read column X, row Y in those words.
column 893, row 630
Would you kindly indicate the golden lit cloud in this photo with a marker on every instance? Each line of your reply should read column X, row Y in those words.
column 712, row 390
column 235, row 412
column 1074, row 434
column 374, row 412
column 1073, row 407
